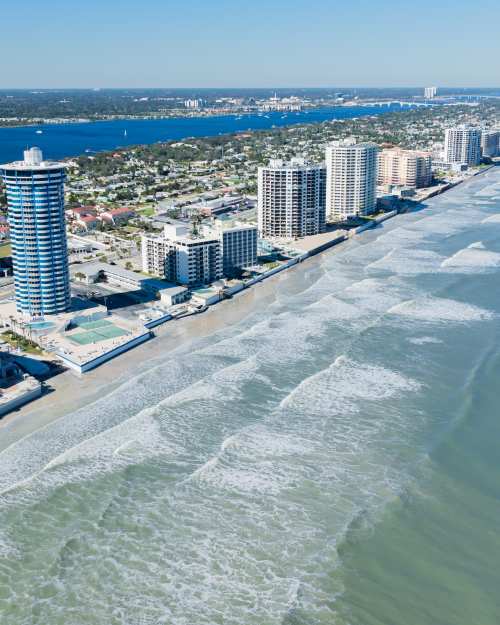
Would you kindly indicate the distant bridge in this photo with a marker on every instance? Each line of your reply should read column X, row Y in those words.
column 400, row 102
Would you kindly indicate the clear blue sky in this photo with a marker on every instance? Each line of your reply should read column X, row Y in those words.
column 249, row 43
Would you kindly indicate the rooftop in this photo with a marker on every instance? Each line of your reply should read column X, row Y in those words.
column 33, row 160
column 294, row 163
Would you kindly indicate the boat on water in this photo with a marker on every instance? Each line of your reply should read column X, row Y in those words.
column 125, row 133
column 39, row 132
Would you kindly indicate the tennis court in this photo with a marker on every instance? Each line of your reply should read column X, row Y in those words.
column 94, row 325
column 97, row 331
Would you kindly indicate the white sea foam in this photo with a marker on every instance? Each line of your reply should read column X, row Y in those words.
column 408, row 262
column 425, row 340
column 435, row 309
column 343, row 384
column 403, row 235
column 448, row 223
column 378, row 295
column 336, row 308
column 472, row 259
column 219, row 493
column 492, row 219
column 488, row 191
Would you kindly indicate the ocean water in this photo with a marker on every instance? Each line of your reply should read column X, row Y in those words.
column 64, row 140
column 331, row 459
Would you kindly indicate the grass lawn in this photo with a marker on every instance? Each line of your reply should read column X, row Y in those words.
column 147, row 212
column 5, row 250
column 19, row 341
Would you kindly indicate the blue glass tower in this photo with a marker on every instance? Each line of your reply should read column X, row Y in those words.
column 35, row 197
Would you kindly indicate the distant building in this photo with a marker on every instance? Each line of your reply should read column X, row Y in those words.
column 4, row 231
column 35, row 197
column 195, row 103
column 81, row 211
column 430, row 93
column 116, row 276
column 117, row 216
column 351, row 179
column 291, row 199
column 407, row 168
column 86, row 223
column 220, row 205
column 462, row 144
column 490, row 143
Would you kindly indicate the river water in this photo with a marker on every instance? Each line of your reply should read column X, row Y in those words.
column 64, row 140
column 332, row 458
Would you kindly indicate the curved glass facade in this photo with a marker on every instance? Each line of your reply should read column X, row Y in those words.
column 35, row 196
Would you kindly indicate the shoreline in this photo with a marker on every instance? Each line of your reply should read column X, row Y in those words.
column 68, row 392
column 63, row 121
column 178, row 115
column 307, row 118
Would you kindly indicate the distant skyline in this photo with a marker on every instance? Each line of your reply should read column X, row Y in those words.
column 223, row 44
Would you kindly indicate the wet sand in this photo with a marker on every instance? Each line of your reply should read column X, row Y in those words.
column 68, row 391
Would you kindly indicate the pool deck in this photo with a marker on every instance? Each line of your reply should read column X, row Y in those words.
column 80, row 345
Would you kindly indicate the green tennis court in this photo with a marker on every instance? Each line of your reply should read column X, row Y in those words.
column 96, row 335
column 93, row 325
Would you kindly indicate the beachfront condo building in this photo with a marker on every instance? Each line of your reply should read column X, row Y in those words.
column 490, row 143
column 430, row 93
column 351, row 179
column 407, row 168
column 181, row 257
column 462, row 144
column 238, row 245
column 35, row 197
column 291, row 199
column 193, row 261
column 154, row 253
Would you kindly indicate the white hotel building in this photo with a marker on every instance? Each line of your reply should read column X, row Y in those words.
column 238, row 245
column 351, row 179
column 291, row 199
column 181, row 257
column 462, row 144
column 191, row 260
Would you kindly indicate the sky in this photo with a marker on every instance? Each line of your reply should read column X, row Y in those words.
column 249, row 43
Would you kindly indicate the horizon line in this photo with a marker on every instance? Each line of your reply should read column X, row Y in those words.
column 73, row 88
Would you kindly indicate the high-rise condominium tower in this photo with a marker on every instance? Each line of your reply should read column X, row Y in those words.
column 490, row 143
column 408, row 168
column 35, row 197
column 291, row 199
column 462, row 144
column 351, row 179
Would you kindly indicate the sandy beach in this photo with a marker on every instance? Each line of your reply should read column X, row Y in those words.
column 286, row 443
column 67, row 391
